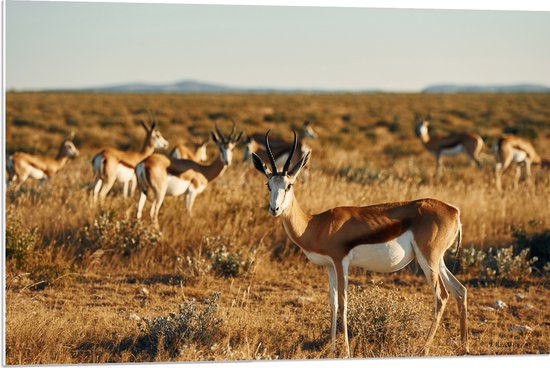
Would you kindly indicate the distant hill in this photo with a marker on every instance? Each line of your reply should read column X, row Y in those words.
column 510, row 88
column 193, row 86
column 182, row 86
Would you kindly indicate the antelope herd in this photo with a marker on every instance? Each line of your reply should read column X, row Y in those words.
column 382, row 237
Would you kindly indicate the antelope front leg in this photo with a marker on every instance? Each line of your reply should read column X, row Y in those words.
column 342, row 277
column 333, row 288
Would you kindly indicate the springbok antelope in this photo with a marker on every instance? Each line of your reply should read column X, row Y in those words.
column 510, row 149
column 159, row 175
column 182, row 152
column 111, row 164
column 21, row 166
column 382, row 238
column 279, row 148
column 450, row 145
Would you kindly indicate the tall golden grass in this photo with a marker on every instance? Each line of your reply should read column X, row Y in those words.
column 78, row 294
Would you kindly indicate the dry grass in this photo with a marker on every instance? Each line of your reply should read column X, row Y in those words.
column 77, row 295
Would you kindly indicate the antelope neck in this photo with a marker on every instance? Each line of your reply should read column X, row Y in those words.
column 296, row 223
column 424, row 137
column 215, row 169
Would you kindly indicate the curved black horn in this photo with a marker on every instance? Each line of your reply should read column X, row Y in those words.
column 287, row 163
column 270, row 154
column 220, row 134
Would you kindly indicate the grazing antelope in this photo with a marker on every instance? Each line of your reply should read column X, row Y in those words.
column 159, row 175
column 382, row 238
column 182, row 152
column 111, row 164
column 510, row 149
column 450, row 145
column 21, row 166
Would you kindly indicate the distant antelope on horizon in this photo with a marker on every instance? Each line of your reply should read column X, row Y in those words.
column 111, row 164
column 511, row 148
column 451, row 145
column 20, row 166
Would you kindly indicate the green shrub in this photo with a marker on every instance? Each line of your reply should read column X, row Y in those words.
column 228, row 264
column 196, row 323
column 495, row 266
column 124, row 235
column 19, row 242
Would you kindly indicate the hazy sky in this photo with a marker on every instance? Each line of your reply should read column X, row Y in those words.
column 51, row 45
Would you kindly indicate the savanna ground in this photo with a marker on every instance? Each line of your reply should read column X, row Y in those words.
column 94, row 286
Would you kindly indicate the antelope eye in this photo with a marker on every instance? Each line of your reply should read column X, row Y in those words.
column 268, row 187
column 288, row 187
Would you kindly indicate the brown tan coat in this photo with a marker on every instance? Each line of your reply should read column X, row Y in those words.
column 384, row 237
column 21, row 166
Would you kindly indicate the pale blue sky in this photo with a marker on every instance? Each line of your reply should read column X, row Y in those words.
column 53, row 45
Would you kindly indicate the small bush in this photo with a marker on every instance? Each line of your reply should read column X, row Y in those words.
column 384, row 318
column 194, row 323
column 19, row 242
column 125, row 235
column 538, row 245
column 497, row 265
column 46, row 273
column 228, row 264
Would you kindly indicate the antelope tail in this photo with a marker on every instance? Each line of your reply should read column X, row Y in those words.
column 98, row 165
column 141, row 176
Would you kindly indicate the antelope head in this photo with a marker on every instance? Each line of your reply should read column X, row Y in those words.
column 279, row 183
column 154, row 137
column 247, row 147
column 68, row 149
column 308, row 131
column 226, row 143
column 422, row 125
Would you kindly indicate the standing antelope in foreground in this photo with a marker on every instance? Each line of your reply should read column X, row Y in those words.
column 21, row 166
column 111, row 164
column 450, row 145
column 159, row 175
column 510, row 149
column 382, row 238
column 280, row 148
column 183, row 152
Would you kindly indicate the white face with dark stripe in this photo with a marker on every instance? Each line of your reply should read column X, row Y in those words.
column 159, row 141
column 280, row 193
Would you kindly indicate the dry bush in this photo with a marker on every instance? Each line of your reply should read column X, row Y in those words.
column 385, row 322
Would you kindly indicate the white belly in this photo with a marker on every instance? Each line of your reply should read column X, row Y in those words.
column 519, row 156
column 176, row 186
column 383, row 257
column 36, row 173
column 124, row 173
column 453, row 151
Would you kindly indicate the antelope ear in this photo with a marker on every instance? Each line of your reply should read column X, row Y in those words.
column 259, row 165
column 299, row 165
column 71, row 136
